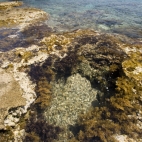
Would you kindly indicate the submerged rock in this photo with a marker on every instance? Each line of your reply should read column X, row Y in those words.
column 68, row 79
column 75, row 86
column 84, row 59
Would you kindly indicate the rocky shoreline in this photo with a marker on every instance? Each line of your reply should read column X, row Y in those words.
column 72, row 83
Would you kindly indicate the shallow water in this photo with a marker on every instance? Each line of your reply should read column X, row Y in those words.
column 123, row 16
column 111, row 16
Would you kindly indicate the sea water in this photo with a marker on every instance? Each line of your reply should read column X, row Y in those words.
column 123, row 16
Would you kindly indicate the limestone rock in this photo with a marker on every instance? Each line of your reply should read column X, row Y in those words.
column 20, row 17
column 10, row 95
column 8, row 5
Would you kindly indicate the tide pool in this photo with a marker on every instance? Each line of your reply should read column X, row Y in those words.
column 79, row 74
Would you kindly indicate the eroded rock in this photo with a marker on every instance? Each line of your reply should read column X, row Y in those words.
column 20, row 17
column 10, row 95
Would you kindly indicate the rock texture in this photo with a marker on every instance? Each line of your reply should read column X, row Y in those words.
column 75, row 86
column 98, row 59
column 20, row 17
column 9, row 5
column 10, row 95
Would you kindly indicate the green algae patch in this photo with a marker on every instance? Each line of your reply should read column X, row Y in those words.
column 62, row 41
column 25, row 55
column 55, row 42
column 133, row 66
column 44, row 93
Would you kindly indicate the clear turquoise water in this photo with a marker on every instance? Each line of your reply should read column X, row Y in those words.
column 118, row 16
column 123, row 16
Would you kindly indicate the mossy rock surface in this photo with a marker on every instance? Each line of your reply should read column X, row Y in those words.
column 9, row 5
column 95, row 58
column 21, row 17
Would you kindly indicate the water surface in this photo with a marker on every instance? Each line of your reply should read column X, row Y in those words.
column 110, row 16
column 123, row 16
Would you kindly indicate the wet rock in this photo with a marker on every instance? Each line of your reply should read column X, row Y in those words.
column 82, row 65
column 132, row 32
column 108, row 22
column 12, row 38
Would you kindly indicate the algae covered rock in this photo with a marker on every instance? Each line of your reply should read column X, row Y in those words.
column 9, row 5
column 89, row 57
column 20, row 17
column 121, row 113
column 79, row 86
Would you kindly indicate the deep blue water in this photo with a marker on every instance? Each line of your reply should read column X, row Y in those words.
column 118, row 16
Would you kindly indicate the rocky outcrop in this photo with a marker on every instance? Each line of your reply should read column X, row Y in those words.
column 9, row 5
column 81, row 72
column 10, row 95
column 75, row 86
column 17, row 92
column 112, row 68
column 20, row 17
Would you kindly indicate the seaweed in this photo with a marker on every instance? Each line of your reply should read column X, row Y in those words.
column 37, row 31
column 6, row 135
column 119, row 114
column 54, row 41
column 37, row 72
column 118, row 91
column 87, row 40
column 43, row 91
column 108, row 69
column 24, row 55
column 65, row 66
column 37, row 129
